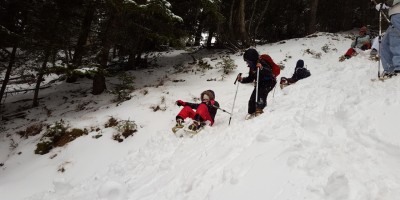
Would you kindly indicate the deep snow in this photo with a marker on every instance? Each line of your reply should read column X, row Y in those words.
column 332, row 136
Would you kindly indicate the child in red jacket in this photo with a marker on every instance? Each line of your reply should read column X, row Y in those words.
column 199, row 112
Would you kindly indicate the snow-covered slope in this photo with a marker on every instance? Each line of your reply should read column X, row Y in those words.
column 331, row 136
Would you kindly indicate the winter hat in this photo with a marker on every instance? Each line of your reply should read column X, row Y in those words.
column 209, row 93
column 363, row 29
column 300, row 63
column 251, row 55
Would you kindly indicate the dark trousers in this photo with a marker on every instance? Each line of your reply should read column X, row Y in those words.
column 262, row 98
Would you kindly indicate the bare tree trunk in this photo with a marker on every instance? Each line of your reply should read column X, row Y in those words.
column 106, row 43
column 313, row 18
column 54, row 57
column 99, row 80
column 230, row 23
column 66, row 55
column 209, row 39
column 85, row 30
column 99, row 84
column 252, row 17
column 8, row 72
column 131, row 60
column 40, row 77
column 262, row 16
column 197, row 37
column 242, row 25
column 114, row 52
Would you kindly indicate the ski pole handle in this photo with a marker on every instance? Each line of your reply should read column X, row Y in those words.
column 240, row 74
column 381, row 11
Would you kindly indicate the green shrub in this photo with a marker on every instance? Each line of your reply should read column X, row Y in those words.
column 43, row 147
column 227, row 64
column 122, row 91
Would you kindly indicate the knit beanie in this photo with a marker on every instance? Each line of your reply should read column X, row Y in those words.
column 251, row 55
column 363, row 29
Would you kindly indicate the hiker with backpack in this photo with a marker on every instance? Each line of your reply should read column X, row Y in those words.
column 264, row 65
column 390, row 45
column 300, row 72
column 362, row 42
column 204, row 112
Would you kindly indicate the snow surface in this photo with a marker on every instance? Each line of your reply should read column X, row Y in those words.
column 332, row 136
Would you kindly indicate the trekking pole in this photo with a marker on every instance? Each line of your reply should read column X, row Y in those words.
column 234, row 99
column 258, row 78
column 221, row 109
column 379, row 42
column 380, row 33
column 273, row 94
column 240, row 74
column 380, row 10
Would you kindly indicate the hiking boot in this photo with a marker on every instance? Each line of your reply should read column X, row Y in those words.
column 375, row 58
column 386, row 74
column 178, row 125
column 195, row 126
column 258, row 112
column 374, row 55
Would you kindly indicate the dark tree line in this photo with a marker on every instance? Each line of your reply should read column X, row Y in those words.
column 93, row 32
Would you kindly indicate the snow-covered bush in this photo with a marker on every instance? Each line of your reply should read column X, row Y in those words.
column 31, row 130
column 125, row 129
column 57, row 135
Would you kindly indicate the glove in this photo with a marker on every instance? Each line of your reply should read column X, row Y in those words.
column 212, row 102
column 259, row 65
column 209, row 103
column 381, row 6
column 239, row 77
column 180, row 103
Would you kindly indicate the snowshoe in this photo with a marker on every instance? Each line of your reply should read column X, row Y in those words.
column 178, row 126
column 250, row 116
column 284, row 83
column 385, row 76
column 191, row 133
column 374, row 56
column 344, row 57
column 194, row 128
